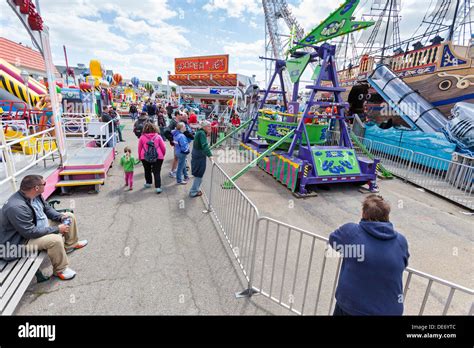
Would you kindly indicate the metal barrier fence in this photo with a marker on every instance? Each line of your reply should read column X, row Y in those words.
column 235, row 214
column 299, row 271
column 296, row 269
column 293, row 268
column 449, row 179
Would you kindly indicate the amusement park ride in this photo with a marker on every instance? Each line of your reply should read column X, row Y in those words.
column 293, row 149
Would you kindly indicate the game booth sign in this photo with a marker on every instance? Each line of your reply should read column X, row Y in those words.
column 207, row 78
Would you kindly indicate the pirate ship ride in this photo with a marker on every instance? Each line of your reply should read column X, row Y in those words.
column 437, row 61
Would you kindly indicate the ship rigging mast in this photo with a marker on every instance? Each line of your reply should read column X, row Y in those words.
column 444, row 19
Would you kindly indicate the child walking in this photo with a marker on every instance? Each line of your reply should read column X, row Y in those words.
column 128, row 162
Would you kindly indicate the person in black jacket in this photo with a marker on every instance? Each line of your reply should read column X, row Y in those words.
column 106, row 118
column 169, row 110
column 26, row 219
column 133, row 112
column 116, row 117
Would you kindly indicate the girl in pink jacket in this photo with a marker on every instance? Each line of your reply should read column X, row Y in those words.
column 150, row 164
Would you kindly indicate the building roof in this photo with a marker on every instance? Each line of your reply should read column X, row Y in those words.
column 20, row 55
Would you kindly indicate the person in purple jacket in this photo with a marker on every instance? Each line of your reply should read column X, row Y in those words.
column 374, row 258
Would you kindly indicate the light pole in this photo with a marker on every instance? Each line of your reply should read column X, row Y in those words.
column 168, row 94
column 25, row 76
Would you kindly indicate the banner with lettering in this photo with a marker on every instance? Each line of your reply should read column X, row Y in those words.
column 202, row 65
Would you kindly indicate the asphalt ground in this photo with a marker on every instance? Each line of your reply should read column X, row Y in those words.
column 147, row 254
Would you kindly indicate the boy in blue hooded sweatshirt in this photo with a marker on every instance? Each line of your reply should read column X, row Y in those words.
column 181, row 150
column 374, row 258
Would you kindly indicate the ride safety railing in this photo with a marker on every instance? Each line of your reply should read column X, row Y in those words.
column 85, row 129
column 22, row 152
column 453, row 180
column 297, row 269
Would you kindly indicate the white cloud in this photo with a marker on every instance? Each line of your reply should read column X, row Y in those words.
column 310, row 13
column 246, row 49
column 234, row 8
column 244, row 58
column 153, row 11
column 129, row 39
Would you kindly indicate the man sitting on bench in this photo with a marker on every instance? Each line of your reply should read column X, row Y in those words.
column 27, row 219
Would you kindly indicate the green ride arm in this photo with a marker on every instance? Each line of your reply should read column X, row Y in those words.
column 264, row 154
column 380, row 167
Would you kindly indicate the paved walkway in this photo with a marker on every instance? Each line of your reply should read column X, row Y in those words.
column 148, row 254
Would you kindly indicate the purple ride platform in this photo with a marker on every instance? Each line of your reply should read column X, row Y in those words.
column 295, row 172
column 304, row 165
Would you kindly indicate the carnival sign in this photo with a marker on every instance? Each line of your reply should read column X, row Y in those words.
column 202, row 65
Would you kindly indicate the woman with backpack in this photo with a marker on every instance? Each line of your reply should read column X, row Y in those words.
column 151, row 151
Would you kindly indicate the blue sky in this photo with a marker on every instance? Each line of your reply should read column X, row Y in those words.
column 141, row 38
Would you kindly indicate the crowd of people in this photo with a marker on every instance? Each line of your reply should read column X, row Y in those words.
column 155, row 124
column 158, row 122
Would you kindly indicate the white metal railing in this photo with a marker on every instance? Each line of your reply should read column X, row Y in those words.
column 84, row 130
column 296, row 269
column 75, row 129
column 299, row 271
column 41, row 145
column 104, row 131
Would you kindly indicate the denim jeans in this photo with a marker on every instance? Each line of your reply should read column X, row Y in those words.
column 119, row 132
column 196, row 186
column 112, row 142
column 182, row 170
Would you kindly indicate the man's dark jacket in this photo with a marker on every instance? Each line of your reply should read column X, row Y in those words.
column 18, row 220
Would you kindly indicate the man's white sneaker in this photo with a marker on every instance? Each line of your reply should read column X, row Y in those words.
column 67, row 274
column 79, row 245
